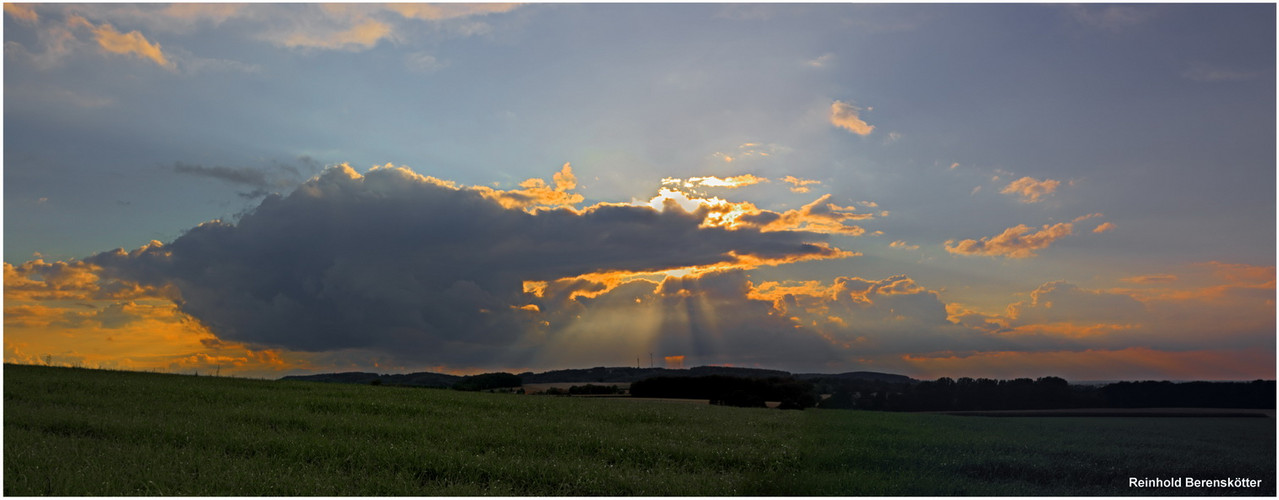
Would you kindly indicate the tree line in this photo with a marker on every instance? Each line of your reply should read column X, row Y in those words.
column 731, row 391
column 946, row 394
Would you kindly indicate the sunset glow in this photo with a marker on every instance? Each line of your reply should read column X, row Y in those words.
column 272, row 189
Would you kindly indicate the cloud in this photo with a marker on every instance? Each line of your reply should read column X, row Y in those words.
column 1112, row 18
column 421, row 269
column 1103, row 227
column 1202, row 72
column 536, row 193
column 437, row 12
column 215, row 13
column 1031, row 189
column 235, row 175
column 1151, row 279
column 263, row 180
column 903, row 245
column 821, row 61
column 22, row 12
column 115, row 42
column 1016, row 242
column 846, row 116
column 423, row 62
column 799, row 185
column 1060, row 301
column 712, row 181
column 359, row 27
column 354, row 38
column 818, row 216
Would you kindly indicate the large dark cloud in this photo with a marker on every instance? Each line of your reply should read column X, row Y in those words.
column 394, row 262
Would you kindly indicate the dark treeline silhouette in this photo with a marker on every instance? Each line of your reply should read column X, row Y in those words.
column 967, row 394
column 592, row 389
column 487, row 381
column 730, row 390
column 1255, row 394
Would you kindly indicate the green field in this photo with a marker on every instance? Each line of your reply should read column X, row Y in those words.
column 72, row 432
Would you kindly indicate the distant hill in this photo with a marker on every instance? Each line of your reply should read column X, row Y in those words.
column 599, row 374
column 420, row 379
column 874, row 376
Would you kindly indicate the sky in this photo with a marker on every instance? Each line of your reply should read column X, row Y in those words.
column 981, row 190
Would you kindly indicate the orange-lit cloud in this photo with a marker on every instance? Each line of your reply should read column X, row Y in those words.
column 1103, row 227
column 869, row 304
column 1233, row 302
column 436, row 12
column 215, row 12
column 591, row 285
column 1072, row 329
column 115, row 42
column 903, row 245
column 1018, row 242
column 359, row 27
column 818, row 216
column 799, row 185
column 1151, row 279
column 360, row 36
column 847, row 116
column 714, row 182
column 536, row 193
column 21, row 12
column 674, row 361
column 67, row 314
column 1031, row 190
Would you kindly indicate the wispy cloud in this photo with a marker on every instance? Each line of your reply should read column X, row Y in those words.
column 1031, row 190
column 1018, row 242
column 1112, row 17
column 437, row 12
column 799, row 185
column 821, row 61
column 903, row 245
column 1151, row 278
column 235, row 175
column 22, row 12
column 358, row 37
column 847, row 116
column 712, row 181
column 111, row 40
column 1202, row 72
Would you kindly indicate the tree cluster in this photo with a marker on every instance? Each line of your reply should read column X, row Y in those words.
column 731, row 391
column 964, row 394
column 592, row 389
column 488, row 381
column 1255, row 394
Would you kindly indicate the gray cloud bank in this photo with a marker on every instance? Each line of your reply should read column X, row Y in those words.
column 425, row 272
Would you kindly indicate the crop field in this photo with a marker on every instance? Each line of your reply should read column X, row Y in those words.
column 73, row 432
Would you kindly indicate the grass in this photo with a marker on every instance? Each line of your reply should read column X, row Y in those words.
column 74, row 432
